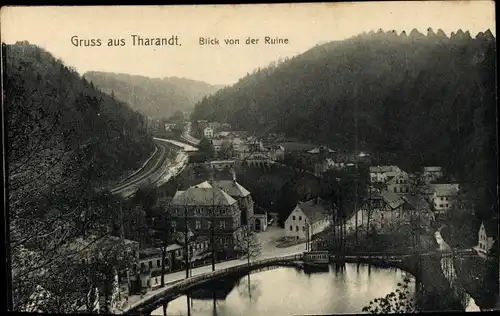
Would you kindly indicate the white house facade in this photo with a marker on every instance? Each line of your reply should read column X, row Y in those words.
column 488, row 233
column 381, row 174
column 208, row 132
column 307, row 219
column 444, row 196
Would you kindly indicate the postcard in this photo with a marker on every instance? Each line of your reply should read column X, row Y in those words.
column 259, row 159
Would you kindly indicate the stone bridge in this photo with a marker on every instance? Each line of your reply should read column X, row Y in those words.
column 406, row 262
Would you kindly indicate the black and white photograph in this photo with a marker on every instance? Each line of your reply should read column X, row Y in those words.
column 251, row 159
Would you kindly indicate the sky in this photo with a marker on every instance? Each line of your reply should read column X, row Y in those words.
column 304, row 25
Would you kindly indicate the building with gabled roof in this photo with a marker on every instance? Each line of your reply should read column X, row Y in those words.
column 431, row 173
column 200, row 206
column 487, row 237
column 308, row 219
column 237, row 192
column 381, row 174
column 399, row 184
column 444, row 196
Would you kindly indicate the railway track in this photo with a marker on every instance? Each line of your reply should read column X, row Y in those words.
column 139, row 179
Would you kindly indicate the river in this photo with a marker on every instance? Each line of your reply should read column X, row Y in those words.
column 448, row 264
column 291, row 291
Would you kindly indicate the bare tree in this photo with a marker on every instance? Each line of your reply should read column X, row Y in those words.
column 248, row 245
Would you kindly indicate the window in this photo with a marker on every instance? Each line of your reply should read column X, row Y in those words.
column 300, row 218
column 222, row 224
column 198, row 224
column 291, row 228
column 158, row 263
column 151, row 264
column 143, row 265
column 293, row 217
column 440, row 205
column 296, row 228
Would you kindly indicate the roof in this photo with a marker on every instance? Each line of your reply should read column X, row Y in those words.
column 318, row 149
column 232, row 188
column 391, row 198
column 204, row 184
column 400, row 175
column 314, row 209
column 433, row 169
column 446, row 189
column 221, row 161
column 384, row 169
column 429, row 188
column 417, row 202
column 491, row 228
column 202, row 196
column 153, row 252
column 259, row 210
column 292, row 146
column 216, row 141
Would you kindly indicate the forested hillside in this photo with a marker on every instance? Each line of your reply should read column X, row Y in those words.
column 155, row 97
column 65, row 141
column 416, row 99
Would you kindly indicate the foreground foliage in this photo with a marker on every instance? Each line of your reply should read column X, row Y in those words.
column 399, row 301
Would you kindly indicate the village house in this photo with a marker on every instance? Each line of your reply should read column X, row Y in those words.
column 416, row 209
column 430, row 174
column 169, row 126
column 444, row 196
column 261, row 220
column 202, row 206
column 221, row 165
column 208, row 132
column 90, row 250
column 487, row 237
column 259, row 158
column 381, row 174
column 215, row 126
column 382, row 209
column 399, row 184
column 308, row 219
column 276, row 153
column 150, row 258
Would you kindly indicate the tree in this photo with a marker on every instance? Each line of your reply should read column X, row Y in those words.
column 248, row 245
column 205, row 148
column 399, row 301
column 65, row 140
column 227, row 150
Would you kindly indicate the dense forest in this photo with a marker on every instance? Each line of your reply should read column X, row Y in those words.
column 154, row 97
column 414, row 100
column 66, row 140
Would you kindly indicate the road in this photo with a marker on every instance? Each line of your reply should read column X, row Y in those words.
column 186, row 135
column 185, row 147
column 268, row 241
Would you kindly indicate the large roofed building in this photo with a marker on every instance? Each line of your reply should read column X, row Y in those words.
column 201, row 206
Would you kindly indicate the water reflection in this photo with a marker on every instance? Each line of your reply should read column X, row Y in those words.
column 288, row 291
